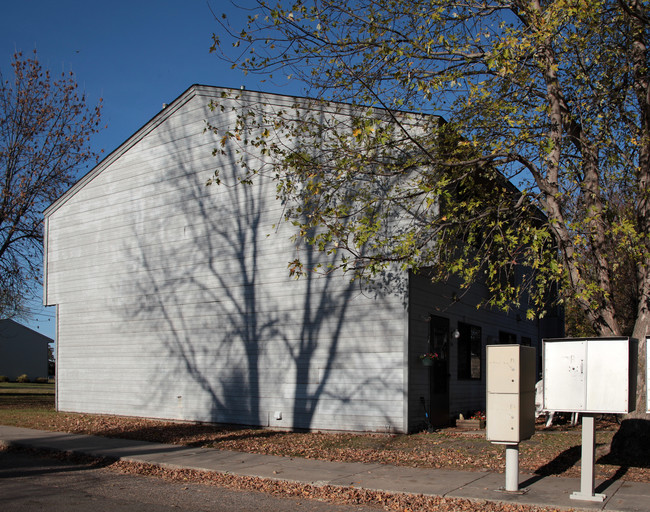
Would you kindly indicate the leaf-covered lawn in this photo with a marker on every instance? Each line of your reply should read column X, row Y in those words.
column 549, row 452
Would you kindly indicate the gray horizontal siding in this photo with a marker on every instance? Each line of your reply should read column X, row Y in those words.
column 167, row 288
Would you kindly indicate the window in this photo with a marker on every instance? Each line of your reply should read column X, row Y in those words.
column 507, row 338
column 439, row 336
column 469, row 351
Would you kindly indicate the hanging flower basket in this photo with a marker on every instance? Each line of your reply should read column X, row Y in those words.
column 429, row 358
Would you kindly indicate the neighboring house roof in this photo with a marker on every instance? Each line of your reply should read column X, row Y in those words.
column 7, row 325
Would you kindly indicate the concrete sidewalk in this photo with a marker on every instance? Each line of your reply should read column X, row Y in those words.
column 542, row 491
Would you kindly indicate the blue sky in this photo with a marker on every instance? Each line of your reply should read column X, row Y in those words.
column 135, row 55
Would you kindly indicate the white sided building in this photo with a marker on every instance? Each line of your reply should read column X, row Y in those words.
column 174, row 301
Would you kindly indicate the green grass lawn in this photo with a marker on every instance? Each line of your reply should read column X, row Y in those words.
column 16, row 398
column 28, row 387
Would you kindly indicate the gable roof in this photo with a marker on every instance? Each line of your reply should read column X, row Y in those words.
column 9, row 324
column 151, row 125
column 161, row 117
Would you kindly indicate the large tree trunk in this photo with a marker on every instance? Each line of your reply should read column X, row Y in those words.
column 641, row 330
column 628, row 445
column 639, row 54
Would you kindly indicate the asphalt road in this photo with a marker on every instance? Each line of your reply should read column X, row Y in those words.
column 31, row 483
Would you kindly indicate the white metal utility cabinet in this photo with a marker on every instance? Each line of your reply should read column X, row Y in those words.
column 589, row 376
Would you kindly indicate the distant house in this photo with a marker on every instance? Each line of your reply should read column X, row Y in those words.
column 22, row 351
column 174, row 301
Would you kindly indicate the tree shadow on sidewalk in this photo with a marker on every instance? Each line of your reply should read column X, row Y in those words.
column 628, row 449
column 629, row 446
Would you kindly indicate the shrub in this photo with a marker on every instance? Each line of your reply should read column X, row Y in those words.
column 4, row 378
column 22, row 378
column 41, row 380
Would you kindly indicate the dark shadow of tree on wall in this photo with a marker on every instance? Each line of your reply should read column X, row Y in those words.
column 234, row 338
column 199, row 293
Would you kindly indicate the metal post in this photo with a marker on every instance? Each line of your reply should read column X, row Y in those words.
column 512, row 467
column 587, row 464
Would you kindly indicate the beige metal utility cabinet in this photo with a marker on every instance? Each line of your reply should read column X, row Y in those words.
column 510, row 415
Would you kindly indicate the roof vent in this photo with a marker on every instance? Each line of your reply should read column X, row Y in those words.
column 243, row 87
column 164, row 106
